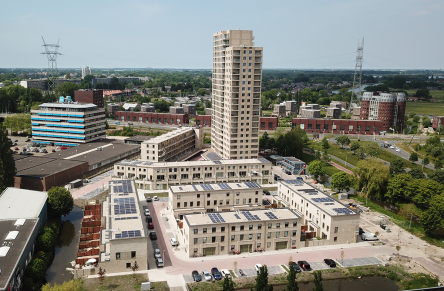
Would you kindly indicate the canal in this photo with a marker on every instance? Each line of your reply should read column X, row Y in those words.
column 66, row 249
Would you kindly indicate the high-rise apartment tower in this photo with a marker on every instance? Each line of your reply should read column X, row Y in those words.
column 237, row 81
column 86, row 71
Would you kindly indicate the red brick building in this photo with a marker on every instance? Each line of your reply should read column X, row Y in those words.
column 437, row 121
column 342, row 126
column 204, row 120
column 89, row 96
column 269, row 123
column 387, row 107
column 151, row 117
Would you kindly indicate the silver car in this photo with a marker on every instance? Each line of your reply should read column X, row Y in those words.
column 157, row 253
column 206, row 276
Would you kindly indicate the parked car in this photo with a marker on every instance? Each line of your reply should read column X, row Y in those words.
column 397, row 150
column 117, row 122
column 129, row 123
column 392, row 147
column 58, row 147
column 304, row 265
column 196, row 276
column 296, row 267
column 153, row 235
column 26, row 140
column 155, row 198
column 147, row 212
column 216, row 274
column 174, row 242
column 157, row 253
column 16, row 149
column 369, row 236
column 257, row 267
column 225, row 273
column 63, row 148
column 148, row 219
column 16, row 140
column 382, row 225
column 330, row 263
column 148, row 199
column 159, row 262
column 29, row 154
column 150, row 225
column 53, row 151
column 206, row 276
column 266, row 192
column 361, row 231
column 42, row 146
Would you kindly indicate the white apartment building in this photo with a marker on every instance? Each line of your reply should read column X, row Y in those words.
column 172, row 146
column 322, row 216
column 158, row 176
column 209, row 234
column 86, row 71
column 67, row 123
column 236, row 94
column 197, row 198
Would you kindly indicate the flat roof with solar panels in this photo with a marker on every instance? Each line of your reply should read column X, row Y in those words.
column 122, row 210
column 317, row 198
column 214, row 187
column 241, row 216
column 141, row 163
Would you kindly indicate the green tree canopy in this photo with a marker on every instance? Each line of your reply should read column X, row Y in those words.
column 7, row 163
column 227, row 284
column 325, row 144
column 67, row 89
column 316, row 168
column 372, row 176
column 354, row 146
column 396, row 187
column 318, row 281
column 341, row 181
column 262, row 280
column 343, row 140
column 438, row 176
column 430, row 220
column 416, row 174
column 397, row 167
column 292, row 284
column 413, row 157
column 60, row 200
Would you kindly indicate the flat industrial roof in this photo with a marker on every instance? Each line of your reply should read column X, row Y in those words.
column 139, row 138
column 68, row 105
column 169, row 135
column 142, row 163
column 43, row 167
column 18, row 203
column 241, row 216
column 8, row 262
column 215, row 187
column 318, row 198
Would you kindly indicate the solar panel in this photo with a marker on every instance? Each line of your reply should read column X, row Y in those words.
column 237, row 216
column 213, row 157
column 262, row 160
column 125, row 218
column 217, row 162
column 194, row 186
column 125, row 205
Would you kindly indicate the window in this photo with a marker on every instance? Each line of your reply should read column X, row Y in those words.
column 222, row 238
column 117, row 256
column 204, row 239
column 326, row 126
column 233, row 237
column 294, row 232
column 185, row 204
column 278, row 225
column 222, row 229
column 213, row 239
column 191, row 204
column 268, row 234
column 250, row 226
column 336, row 229
column 204, row 230
column 259, row 226
column 208, row 195
column 195, row 241
column 242, row 227
column 318, row 126
column 178, row 204
column 237, row 201
column 335, row 238
column 286, row 224
column 269, row 225
column 285, row 233
column 268, row 244
column 128, row 265
column 196, row 231
column 250, row 236
column 208, row 203
column 198, row 195
column 277, row 234
column 241, row 237
column 233, row 228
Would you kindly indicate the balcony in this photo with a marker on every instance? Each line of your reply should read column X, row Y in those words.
column 258, row 53
column 257, row 66
column 236, row 60
column 257, row 60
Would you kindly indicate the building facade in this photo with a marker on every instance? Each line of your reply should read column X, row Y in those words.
column 437, row 122
column 236, row 93
column 293, row 165
column 241, row 231
column 203, row 120
column 322, row 216
column 112, row 108
column 218, row 197
column 159, row 176
column 86, row 71
column 172, row 146
column 269, row 123
column 152, row 117
column 68, row 123
column 387, row 107
column 342, row 126
column 89, row 96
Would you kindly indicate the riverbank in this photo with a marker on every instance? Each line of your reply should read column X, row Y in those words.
column 398, row 274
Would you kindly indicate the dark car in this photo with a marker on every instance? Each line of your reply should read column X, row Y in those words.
column 266, row 192
column 296, row 267
column 148, row 219
column 53, row 151
column 304, row 265
column 196, row 276
column 153, row 235
column 330, row 263
column 216, row 274
column 129, row 123
column 361, row 231
column 382, row 225
column 148, row 199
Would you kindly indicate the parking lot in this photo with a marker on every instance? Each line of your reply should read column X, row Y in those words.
column 359, row 262
column 319, row 266
column 21, row 143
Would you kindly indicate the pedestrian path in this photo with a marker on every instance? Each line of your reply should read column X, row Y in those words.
column 96, row 186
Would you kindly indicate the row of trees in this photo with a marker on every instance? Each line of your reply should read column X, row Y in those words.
column 285, row 144
column 18, row 122
column 17, row 98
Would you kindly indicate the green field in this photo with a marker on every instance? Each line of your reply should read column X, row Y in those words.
column 427, row 108
column 439, row 94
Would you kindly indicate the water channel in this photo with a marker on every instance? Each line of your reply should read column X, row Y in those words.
column 364, row 284
column 67, row 247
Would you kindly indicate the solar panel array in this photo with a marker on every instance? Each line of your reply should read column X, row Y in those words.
column 329, row 204
column 147, row 163
column 325, row 199
column 215, row 217
column 270, row 215
column 343, row 210
column 207, row 187
column 237, row 216
column 252, row 185
column 125, row 205
column 213, row 156
column 262, row 160
column 294, row 182
column 124, row 188
column 250, row 216
column 218, row 162
column 224, row 186
column 129, row 233
column 124, row 218
column 195, row 188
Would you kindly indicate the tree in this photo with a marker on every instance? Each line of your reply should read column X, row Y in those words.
column 291, row 278
column 416, row 118
column 416, row 174
column 413, row 157
column 397, row 167
column 67, row 89
column 316, row 168
column 201, row 92
column 7, row 163
column 262, row 280
column 354, row 146
column 60, row 200
column 423, row 93
column 341, row 181
column 438, row 176
column 412, row 114
column 325, row 144
column 425, row 161
column 227, row 284
column 422, row 190
column 426, row 122
column 396, row 187
column 430, row 220
column 372, row 176
column 372, row 149
column 208, row 104
column 271, row 144
column 263, row 141
column 343, row 140
column 36, row 269
column 68, row 75
column 438, row 164
column 318, row 281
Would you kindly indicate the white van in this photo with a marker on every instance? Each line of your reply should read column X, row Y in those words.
column 369, row 236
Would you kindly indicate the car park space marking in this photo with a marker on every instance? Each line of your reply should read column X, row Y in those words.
column 319, row 266
column 188, row 279
column 359, row 262
column 274, row 270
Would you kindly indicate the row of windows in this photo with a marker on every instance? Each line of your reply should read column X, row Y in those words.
column 242, row 227
column 221, row 202
column 342, row 127
column 244, row 236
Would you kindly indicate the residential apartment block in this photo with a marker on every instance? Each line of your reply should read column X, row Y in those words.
column 172, row 146
column 123, row 239
column 86, row 71
column 209, row 234
column 322, row 216
column 159, row 176
column 197, row 198
column 237, row 80
column 67, row 123
column 387, row 107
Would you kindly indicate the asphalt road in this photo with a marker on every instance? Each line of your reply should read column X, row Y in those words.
column 160, row 243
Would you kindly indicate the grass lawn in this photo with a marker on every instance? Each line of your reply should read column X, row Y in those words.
column 329, row 170
column 438, row 94
column 426, row 108
column 161, row 194
column 121, row 283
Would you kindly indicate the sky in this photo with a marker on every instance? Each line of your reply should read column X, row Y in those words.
column 294, row 34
